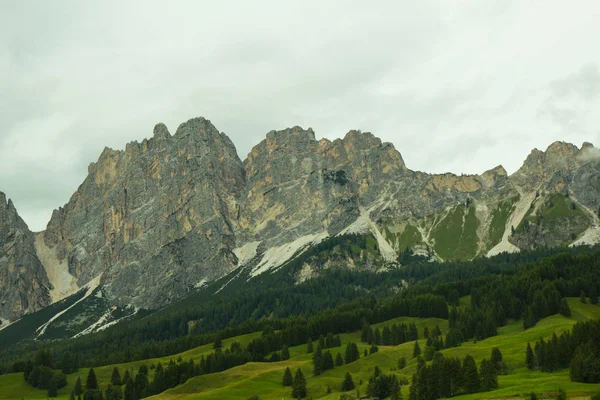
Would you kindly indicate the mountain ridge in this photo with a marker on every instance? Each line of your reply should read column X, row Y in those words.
column 165, row 214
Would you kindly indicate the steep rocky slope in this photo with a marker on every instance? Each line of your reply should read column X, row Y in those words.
column 24, row 285
column 173, row 212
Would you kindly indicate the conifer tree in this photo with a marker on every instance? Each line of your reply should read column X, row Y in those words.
column 91, row 382
column 285, row 352
column 402, row 362
column 52, row 390
column 529, row 357
column 309, row 346
column 377, row 338
column 72, row 396
column 582, row 297
column 347, row 383
column 374, row 349
column 78, row 390
column 287, row 377
column 115, row 379
column 327, row 361
column 497, row 360
column 322, row 342
column 593, row 295
column 564, row 309
column 299, row 385
column 489, row 375
column 416, row 350
column 339, row 361
column 318, row 361
column 364, row 335
column 352, row 353
column 218, row 342
column 470, row 375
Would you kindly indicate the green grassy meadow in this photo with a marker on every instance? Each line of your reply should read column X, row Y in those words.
column 264, row 379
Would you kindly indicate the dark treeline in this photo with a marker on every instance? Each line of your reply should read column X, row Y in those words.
column 339, row 301
column 448, row 377
column 578, row 350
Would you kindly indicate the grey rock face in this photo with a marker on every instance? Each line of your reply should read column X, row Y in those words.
column 154, row 219
column 167, row 213
column 24, row 286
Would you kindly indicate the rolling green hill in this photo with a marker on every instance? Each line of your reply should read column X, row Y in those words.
column 264, row 379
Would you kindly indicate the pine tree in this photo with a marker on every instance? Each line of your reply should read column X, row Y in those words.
column 78, row 390
column 115, row 379
column 497, row 360
column 322, row 342
column 299, row 385
column 113, row 393
column 582, row 297
column 218, row 342
column 351, row 353
column 318, row 361
column 593, row 295
column 126, row 377
column 327, row 361
column 377, row 338
column 402, row 362
column 92, row 381
column 416, row 350
column 366, row 329
column 52, row 390
column 72, row 396
column 309, row 346
column 374, row 349
column 285, row 352
column 564, row 309
column 561, row 395
column 529, row 357
column 470, row 375
column 347, row 383
column 339, row 361
column 287, row 377
column 489, row 375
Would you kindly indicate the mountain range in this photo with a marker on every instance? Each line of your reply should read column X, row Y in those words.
column 167, row 216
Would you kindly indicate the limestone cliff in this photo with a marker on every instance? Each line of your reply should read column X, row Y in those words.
column 24, row 286
column 175, row 211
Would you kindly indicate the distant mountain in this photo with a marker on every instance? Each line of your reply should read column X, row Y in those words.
column 170, row 214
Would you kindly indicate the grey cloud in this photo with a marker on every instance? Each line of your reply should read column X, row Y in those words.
column 453, row 86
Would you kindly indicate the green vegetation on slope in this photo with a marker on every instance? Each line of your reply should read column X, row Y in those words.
column 455, row 236
column 499, row 218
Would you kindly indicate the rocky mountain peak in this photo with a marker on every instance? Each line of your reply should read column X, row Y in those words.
column 24, row 284
column 161, row 131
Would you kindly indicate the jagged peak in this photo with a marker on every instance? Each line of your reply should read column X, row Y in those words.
column 3, row 199
column 198, row 125
column 562, row 148
column 161, row 131
column 296, row 131
column 498, row 170
column 587, row 146
column 356, row 135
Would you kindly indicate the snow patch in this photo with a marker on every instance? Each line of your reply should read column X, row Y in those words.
column 90, row 287
column 246, row 253
column 276, row 256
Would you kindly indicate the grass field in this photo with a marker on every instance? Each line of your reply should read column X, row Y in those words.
column 264, row 379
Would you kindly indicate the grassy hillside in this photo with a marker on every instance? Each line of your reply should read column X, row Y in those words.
column 264, row 379
column 455, row 236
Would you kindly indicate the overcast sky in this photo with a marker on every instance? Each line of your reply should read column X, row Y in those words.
column 455, row 85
